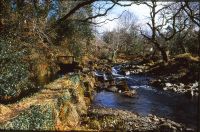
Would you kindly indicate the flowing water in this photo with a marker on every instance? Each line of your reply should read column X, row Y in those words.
column 149, row 100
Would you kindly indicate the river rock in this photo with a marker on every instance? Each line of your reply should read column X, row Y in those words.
column 195, row 85
column 156, row 83
column 107, row 76
column 189, row 93
column 106, row 85
column 112, row 88
column 155, row 118
column 182, row 85
column 166, row 127
column 130, row 93
column 128, row 73
column 175, row 85
column 168, row 84
column 122, row 85
column 174, row 89
column 165, row 88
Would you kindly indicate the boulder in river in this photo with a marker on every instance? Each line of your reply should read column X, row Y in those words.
column 107, row 76
column 122, row 85
column 128, row 73
column 195, row 85
column 189, row 93
column 112, row 88
column 130, row 93
column 156, row 83
column 168, row 84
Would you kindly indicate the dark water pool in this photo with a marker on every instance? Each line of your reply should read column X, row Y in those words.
column 151, row 101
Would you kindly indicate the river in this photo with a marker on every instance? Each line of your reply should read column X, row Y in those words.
column 149, row 100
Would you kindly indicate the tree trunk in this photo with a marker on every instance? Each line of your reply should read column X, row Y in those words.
column 154, row 53
column 183, row 48
column 164, row 55
column 180, row 44
column 114, row 56
column 162, row 51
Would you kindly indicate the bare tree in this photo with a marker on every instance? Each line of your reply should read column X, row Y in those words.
column 159, row 31
column 192, row 10
column 90, row 2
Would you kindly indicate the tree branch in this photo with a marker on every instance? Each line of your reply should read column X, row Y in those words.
column 117, row 3
column 72, row 11
column 96, row 23
column 190, row 13
column 99, row 15
column 150, row 6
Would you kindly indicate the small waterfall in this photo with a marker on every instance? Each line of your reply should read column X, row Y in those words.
column 105, row 77
column 115, row 72
column 99, row 74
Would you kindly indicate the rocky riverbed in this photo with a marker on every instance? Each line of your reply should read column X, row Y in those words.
column 107, row 119
column 171, row 90
column 190, row 90
column 179, row 75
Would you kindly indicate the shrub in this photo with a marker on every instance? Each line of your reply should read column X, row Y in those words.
column 14, row 77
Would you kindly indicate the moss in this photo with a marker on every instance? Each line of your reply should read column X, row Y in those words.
column 75, row 78
column 14, row 77
column 74, row 95
column 66, row 96
column 36, row 118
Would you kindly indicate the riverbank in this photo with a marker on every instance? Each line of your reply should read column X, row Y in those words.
column 180, row 75
column 108, row 119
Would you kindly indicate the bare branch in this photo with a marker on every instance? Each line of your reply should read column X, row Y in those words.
column 72, row 11
column 117, row 3
column 189, row 12
column 150, row 25
column 88, row 2
column 165, row 7
column 99, row 15
column 106, row 19
column 148, row 4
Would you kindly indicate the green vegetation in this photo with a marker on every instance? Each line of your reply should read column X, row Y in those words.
column 14, row 71
column 35, row 118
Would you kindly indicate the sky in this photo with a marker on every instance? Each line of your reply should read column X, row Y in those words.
column 142, row 13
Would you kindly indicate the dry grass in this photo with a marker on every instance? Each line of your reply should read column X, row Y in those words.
column 187, row 57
